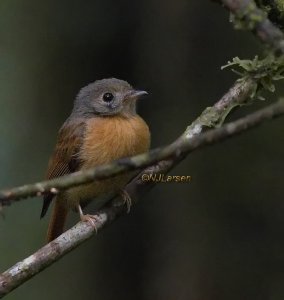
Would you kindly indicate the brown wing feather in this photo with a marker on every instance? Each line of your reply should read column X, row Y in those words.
column 64, row 159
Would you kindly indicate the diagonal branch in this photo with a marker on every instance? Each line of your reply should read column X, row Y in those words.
column 24, row 270
column 255, row 19
column 166, row 157
column 274, row 9
column 237, row 95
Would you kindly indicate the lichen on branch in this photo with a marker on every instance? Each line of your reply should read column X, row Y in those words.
column 247, row 15
column 264, row 72
column 274, row 10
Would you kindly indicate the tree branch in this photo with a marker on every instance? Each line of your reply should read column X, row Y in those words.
column 237, row 95
column 69, row 240
column 274, row 9
column 255, row 19
column 167, row 156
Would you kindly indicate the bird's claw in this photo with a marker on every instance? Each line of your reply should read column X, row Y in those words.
column 91, row 219
column 126, row 198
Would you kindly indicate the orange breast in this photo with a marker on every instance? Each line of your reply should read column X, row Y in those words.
column 109, row 138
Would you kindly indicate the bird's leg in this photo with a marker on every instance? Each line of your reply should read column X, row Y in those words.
column 126, row 199
column 88, row 218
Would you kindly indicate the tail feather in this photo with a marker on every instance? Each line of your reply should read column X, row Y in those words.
column 46, row 202
column 57, row 220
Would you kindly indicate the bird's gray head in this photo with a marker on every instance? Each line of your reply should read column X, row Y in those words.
column 107, row 97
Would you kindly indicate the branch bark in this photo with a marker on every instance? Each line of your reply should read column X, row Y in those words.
column 237, row 95
column 275, row 11
column 167, row 156
column 72, row 238
column 256, row 20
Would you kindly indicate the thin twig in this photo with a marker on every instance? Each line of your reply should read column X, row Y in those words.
column 24, row 270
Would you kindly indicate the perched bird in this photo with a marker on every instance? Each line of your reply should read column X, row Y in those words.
column 103, row 126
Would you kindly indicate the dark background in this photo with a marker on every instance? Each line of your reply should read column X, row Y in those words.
column 218, row 237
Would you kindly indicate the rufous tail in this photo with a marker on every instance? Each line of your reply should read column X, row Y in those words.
column 57, row 220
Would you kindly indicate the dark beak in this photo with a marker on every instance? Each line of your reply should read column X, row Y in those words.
column 134, row 95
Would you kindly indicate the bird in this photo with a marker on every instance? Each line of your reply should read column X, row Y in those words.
column 103, row 126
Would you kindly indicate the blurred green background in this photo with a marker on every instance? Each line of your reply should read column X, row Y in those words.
column 218, row 237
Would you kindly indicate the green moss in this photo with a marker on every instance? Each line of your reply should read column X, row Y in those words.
column 280, row 5
column 211, row 117
column 274, row 9
column 248, row 18
column 264, row 71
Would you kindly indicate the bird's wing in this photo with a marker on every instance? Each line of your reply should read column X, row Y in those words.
column 65, row 158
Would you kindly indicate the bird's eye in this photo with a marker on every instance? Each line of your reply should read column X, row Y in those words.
column 108, row 97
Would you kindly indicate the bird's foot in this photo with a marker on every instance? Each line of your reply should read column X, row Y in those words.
column 126, row 199
column 91, row 219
